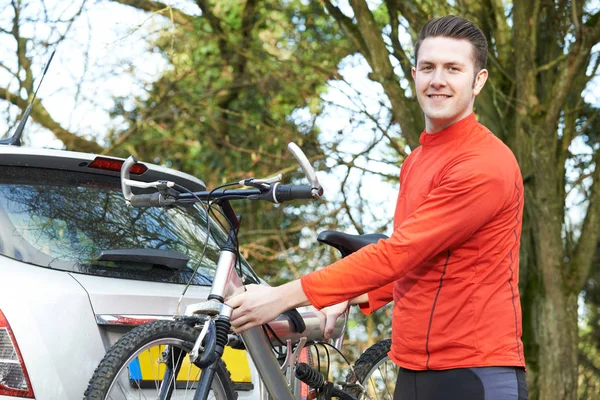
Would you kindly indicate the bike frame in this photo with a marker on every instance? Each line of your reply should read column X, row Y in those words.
column 226, row 283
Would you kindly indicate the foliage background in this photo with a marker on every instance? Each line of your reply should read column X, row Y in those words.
column 217, row 88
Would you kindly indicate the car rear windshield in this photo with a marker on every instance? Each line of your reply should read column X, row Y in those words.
column 79, row 222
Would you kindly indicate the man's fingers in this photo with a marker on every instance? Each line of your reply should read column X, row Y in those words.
column 244, row 323
column 329, row 325
column 242, row 328
column 240, row 318
column 236, row 301
column 237, row 313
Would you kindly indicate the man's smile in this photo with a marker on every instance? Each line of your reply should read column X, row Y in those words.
column 439, row 96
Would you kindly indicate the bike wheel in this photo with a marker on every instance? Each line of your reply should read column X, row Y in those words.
column 150, row 362
column 375, row 372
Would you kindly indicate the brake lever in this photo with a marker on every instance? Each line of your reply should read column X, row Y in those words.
column 125, row 187
column 261, row 183
column 309, row 171
column 160, row 185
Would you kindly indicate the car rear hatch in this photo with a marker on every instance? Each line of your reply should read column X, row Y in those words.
column 64, row 211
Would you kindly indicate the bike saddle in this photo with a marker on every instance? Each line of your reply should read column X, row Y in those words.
column 348, row 244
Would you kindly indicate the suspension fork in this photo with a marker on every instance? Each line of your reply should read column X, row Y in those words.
column 217, row 340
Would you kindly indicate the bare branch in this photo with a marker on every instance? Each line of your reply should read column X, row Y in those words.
column 574, row 17
column 403, row 109
column 552, row 63
column 399, row 52
column 590, row 231
column 577, row 59
column 349, row 28
column 413, row 13
column 157, row 7
column 4, row 67
column 40, row 115
column 346, row 206
column 71, row 21
column 24, row 63
column 263, row 234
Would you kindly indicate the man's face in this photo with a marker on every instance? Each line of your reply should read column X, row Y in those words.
column 445, row 81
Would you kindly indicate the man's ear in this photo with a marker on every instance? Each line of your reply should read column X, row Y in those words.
column 413, row 72
column 479, row 82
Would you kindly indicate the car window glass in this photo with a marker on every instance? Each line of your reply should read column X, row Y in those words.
column 66, row 222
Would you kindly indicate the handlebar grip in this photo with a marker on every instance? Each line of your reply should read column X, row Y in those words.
column 146, row 200
column 296, row 320
column 292, row 192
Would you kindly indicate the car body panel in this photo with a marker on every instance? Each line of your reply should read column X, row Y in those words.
column 52, row 320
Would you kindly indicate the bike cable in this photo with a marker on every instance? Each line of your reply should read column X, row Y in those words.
column 341, row 354
column 267, row 327
column 328, row 358
column 207, row 208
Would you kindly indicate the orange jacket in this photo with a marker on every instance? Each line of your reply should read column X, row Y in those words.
column 451, row 265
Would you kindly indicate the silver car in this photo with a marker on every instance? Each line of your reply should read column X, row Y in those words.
column 78, row 269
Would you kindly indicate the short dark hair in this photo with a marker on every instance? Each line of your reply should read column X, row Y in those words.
column 455, row 27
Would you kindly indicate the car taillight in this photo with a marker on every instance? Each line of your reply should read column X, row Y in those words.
column 110, row 164
column 14, row 380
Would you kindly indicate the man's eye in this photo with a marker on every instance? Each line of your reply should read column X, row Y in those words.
column 454, row 69
column 426, row 68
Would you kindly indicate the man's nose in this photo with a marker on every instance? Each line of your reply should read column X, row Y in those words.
column 438, row 79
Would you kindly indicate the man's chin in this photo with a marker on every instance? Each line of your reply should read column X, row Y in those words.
column 438, row 122
column 439, row 116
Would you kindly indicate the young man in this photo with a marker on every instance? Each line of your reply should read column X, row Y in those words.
column 451, row 265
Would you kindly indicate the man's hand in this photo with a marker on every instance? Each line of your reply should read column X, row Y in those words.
column 332, row 313
column 256, row 306
column 260, row 304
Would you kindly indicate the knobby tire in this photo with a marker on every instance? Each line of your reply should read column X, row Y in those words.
column 179, row 336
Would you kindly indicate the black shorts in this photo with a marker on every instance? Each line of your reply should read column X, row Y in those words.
column 485, row 383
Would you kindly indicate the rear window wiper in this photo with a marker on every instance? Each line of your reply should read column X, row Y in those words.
column 167, row 258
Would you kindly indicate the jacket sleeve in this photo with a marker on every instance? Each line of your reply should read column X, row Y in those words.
column 378, row 298
column 470, row 193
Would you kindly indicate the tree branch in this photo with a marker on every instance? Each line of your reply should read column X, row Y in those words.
column 24, row 63
column 383, row 72
column 574, row 17
column 577, row 59
column 40, row 115
column 590, row 231
column 592, row 29
column 240, row 59
column 4, row 67
column 413, row 13
column 552, row 63
column 215, row 24
column 399, row 52
column 502, row 33
column 349, row 29
column 157, row 7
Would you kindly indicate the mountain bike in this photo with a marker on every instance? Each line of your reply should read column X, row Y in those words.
column 185, row 353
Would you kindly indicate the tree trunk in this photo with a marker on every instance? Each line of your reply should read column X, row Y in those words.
column 550, row 302
column 550, row 330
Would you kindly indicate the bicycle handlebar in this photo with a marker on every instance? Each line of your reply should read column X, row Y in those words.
column 269, row 190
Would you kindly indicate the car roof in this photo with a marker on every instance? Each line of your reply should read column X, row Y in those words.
column 75, row 161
